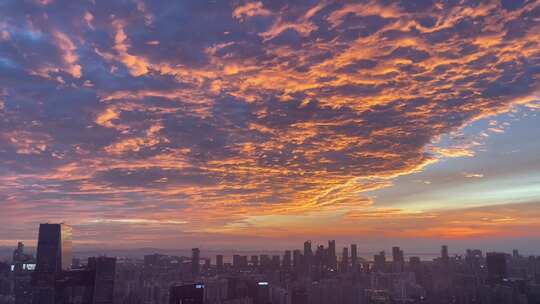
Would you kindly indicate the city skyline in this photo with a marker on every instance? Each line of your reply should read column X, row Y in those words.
column 261, row 124
column 312, row 275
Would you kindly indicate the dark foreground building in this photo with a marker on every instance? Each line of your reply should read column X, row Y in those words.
column 54, row 282
column 53, row 257
column 187, row 294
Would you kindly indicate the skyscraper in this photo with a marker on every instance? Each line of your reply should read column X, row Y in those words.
column 444, row 254
column 379, row 261
column 103, row 269
column 398, row 259
column 54, row 250
column 354, row 256
column 195, row 261
column 345, row 259
column 18, row 254
column 22, row 275
column 54, row 282
column 332, row 257
column 287, row 259
column 496, row 264
column 53, row 256
column 219, row 262
column 297, row 260
column 308, row 255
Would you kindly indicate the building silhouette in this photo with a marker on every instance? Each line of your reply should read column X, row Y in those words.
column 54, row 282
column 354, row 257
column 444, row 254
column 496, row 264
column 53, row 256
column 195, row 262
column 219, row 262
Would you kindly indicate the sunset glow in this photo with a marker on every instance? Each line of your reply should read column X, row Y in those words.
column 230, row 123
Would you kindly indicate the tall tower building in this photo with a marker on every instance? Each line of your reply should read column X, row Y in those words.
column 18, row 254
column 398, row 259
column 54, row 282
column 379, row 261
column 103, row 269
column 54, row 255
column 287, row 261
column 308, row 255
column 345, row 259
column 444, row 254
column 22, row 275
column 297, row 260
column 54, row 250
column 219, row 262
column 195, row 262
column 354, row 257
column 332, row 257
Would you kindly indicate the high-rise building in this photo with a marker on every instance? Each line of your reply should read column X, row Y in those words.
column 18, row 254
column 444, row 254
column 319, row 257
column 307, row 248
column 379, row 261
column 345, row 259
column 187, row 294
column 54, row 282
column 219, row 262
column 287, row 259
column 23, row 266
column 331, row 256
column 236, row 261
column 195, row 262
column 276, row 260
column 297, row 260
column 265, row 260
column 54, row 250
column 308, row 255
column 53, row 256
column 103, row 269
column 496, row 264
column 354, row 257
column 240, row 261
column 397, row 254
column 255, row 260
column 398, row 259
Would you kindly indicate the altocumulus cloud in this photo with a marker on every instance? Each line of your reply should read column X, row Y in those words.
column 154, row 112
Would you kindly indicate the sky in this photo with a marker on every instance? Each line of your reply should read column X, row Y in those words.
column 260, row 124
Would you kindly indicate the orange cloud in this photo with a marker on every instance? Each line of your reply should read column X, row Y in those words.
column 69, row 54
column 250, row 9
column 137, row 66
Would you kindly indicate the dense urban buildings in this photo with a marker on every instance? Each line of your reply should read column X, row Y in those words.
column 297, row 276
column 54, row 276
column 270, row 151
column 187, row 294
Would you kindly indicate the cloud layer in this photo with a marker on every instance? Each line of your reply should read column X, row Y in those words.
column 202, row 115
